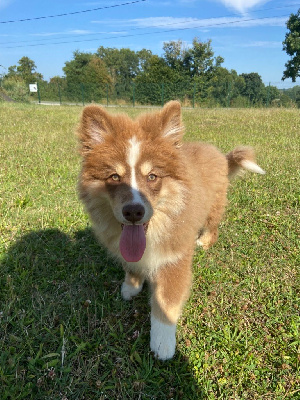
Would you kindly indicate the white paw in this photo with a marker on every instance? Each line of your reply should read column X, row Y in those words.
column 162, row 339
column 129, row 291
column 205, row 240
column 199, row 242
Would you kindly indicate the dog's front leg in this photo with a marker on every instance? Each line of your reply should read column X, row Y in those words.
column 170, row 290
column 132, row 285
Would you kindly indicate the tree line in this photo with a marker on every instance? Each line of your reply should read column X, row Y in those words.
column 191, row 74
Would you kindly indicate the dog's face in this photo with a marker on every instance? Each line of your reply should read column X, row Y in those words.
column 133, row 166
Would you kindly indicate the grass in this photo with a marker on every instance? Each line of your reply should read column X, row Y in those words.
column 65, row 331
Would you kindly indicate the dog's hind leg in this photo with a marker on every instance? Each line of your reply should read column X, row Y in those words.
column 208, row 235
column 132, row 285
column 207, row 238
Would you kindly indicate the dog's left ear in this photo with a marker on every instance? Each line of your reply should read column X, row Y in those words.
column 172, row 127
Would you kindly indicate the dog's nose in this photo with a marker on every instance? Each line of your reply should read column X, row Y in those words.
column 133, row 212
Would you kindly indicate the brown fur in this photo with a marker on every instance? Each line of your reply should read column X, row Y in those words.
column 184, row 202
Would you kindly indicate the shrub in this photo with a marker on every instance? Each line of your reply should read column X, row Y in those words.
column 16, row 89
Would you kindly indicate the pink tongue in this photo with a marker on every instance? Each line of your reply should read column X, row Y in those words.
column 132, row 242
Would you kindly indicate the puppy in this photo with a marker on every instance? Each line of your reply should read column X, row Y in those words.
column 151, row 198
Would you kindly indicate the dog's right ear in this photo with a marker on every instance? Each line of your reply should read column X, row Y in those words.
column 95, row 126
column 172, row 127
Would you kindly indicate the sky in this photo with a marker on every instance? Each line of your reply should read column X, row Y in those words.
column 248, row 34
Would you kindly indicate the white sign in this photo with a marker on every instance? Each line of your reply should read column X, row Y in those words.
column 33, row 87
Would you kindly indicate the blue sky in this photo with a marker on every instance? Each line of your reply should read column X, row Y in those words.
column 248, row 34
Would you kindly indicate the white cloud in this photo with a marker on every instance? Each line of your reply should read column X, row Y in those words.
column 170, row 23
column 79, row 32
column 70, row 32
column 163, row 22
column 263, row 44
column 242, row 5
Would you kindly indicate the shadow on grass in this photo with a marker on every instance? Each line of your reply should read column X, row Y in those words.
column 67, row 334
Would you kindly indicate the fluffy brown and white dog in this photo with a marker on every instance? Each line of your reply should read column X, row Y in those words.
column 151, row 198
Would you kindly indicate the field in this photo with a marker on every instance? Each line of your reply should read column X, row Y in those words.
column 65, row 331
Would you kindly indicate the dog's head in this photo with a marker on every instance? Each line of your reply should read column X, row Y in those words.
column 132, row 165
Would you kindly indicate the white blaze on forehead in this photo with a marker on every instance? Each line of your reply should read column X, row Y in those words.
column 133, row 151
column 133, row 154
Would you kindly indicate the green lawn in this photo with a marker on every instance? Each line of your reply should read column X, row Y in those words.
column 65, row 331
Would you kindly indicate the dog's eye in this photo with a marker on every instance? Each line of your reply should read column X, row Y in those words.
column 151, row 177
column 115, row 177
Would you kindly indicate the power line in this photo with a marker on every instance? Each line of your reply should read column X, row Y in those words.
column 139, row 28
column 148, row 33
column 71, row 13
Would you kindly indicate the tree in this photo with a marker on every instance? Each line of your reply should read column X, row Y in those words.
column 96, row 72
column 195, row 61
column 293, row 94
column 26, row 69
column 201, row 59
column 182, row 71
column 59, row 84
column 291, row 45
column 225, row 86
column 271, row 95
column 86, row 68
column 158, row 71
column 12, row 71
column 149, row 84
column 122, row 64
column 75, row 69
column 174, row 54
column 58, row 80
column 253, row 88
column 86, row 75
column 144, row 57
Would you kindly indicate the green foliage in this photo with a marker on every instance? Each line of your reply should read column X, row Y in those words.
column 152, row 87
column 291, row 96
column 201, row 59
column 196, row 61
column 193, row 75
column 85, row 70
column 291, row 45
column 16, row 89
column 12, row 70
column 182, row 73
column 75, row 70
column 271, row 95
column 123, row 66
column 253, row 87
column 224, row 86
column 223, row 90
column 17, row 79
column 122, row 63
column 25, row 71
column 174, row 54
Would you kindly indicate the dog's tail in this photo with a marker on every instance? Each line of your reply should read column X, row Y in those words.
column 240, row 158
